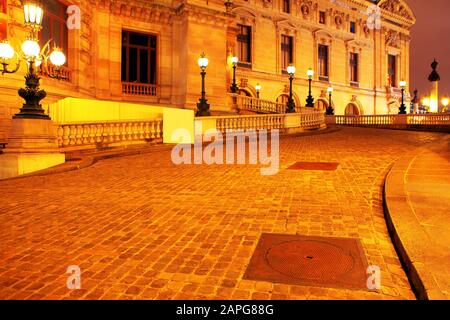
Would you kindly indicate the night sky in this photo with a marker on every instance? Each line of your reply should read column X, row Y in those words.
column 430, row 39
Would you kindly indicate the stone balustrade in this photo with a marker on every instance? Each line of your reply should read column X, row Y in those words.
column 262, row 106
column 259, row 105
column 440, row 119
column 286, row 123
column 87, row 134
column 269, row 121
column 435, row 121
column 139, row 89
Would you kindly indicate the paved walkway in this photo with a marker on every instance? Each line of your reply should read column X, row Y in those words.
column 142, row 227
column 418, row 199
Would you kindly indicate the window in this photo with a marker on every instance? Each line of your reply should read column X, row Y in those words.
column 54, row 25
column 353, row 67
column 323, row 62
column 244, row 44
column 287, row 51
column 2, row 6
column 138, row 57
column 322, row 19
column 352, row 26
column 287, row 6
column 392, row 70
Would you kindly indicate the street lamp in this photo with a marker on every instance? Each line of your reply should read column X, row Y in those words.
column 330, row 110
column 202, row 105
column 445, row 104
column 310, row 99
column 290, row 104
column 33, row 56
column 402, row 109
column 258, row 88
column 234, row 88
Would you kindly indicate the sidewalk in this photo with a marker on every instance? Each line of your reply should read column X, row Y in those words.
column 417, row 194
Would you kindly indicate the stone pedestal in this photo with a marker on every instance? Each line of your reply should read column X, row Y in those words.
column 32, row 146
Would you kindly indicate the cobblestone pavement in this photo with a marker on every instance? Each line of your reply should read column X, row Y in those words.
column 142, row 227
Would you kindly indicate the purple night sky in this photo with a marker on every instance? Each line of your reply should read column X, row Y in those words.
column 430, row 39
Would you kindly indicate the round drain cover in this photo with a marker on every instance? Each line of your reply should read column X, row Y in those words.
column 309, row 259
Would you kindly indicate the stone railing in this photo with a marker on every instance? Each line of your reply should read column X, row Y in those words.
column 286, row 123
column 262, row 106
column 439, row 121
column 259, row 105
column 436, row 119
column 312, row 119
column 139, row 89
column 373, row 120
column 92, row 134
column 269, row 121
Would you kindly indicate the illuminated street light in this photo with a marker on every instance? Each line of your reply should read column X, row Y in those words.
column 330, row 110
column 258, row 89
column 402, row 109
column 290, row 106
column 33, row 56
column 445, row 104
column 234, row 88
column 310, row 99
column 202, row 105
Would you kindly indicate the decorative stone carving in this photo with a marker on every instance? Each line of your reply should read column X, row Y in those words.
column 305, row 8
column 396, row 7
column 339, row 19
column 393, row 39
column 243, row 83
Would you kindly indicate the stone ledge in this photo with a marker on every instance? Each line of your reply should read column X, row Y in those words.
column 412, row 243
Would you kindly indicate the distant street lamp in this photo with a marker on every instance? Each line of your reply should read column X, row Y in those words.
column 234, row 88
column 330, row 110
column 402, row 109
column 310, row 99
column 290, row 104
column 445, row 104
column 34, row 57
column 202, row 105
column 258, row 89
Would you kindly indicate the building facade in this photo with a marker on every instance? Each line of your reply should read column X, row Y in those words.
column 146, row 51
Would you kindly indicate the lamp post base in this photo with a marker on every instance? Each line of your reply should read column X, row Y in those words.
column 310, row 102
column 290, row 107
column 32, row 146
column 202, row 109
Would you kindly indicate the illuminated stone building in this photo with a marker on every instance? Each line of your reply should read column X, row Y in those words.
column 146, row 51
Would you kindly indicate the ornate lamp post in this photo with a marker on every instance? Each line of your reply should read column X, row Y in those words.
column 310, row 99
column 34, row 57
column 290, row 106
column 234, row 88
column 258, row 89
column 203, row 105
column 330, row 110
column 402, row 109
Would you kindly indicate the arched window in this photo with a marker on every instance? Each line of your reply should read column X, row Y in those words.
column 244, row 92
column 54, row 25
column 351, row 110
column 283, row 98
column 322, row 105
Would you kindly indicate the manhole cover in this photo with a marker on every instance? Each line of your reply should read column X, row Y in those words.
column 322, row 166
column 314, row 261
